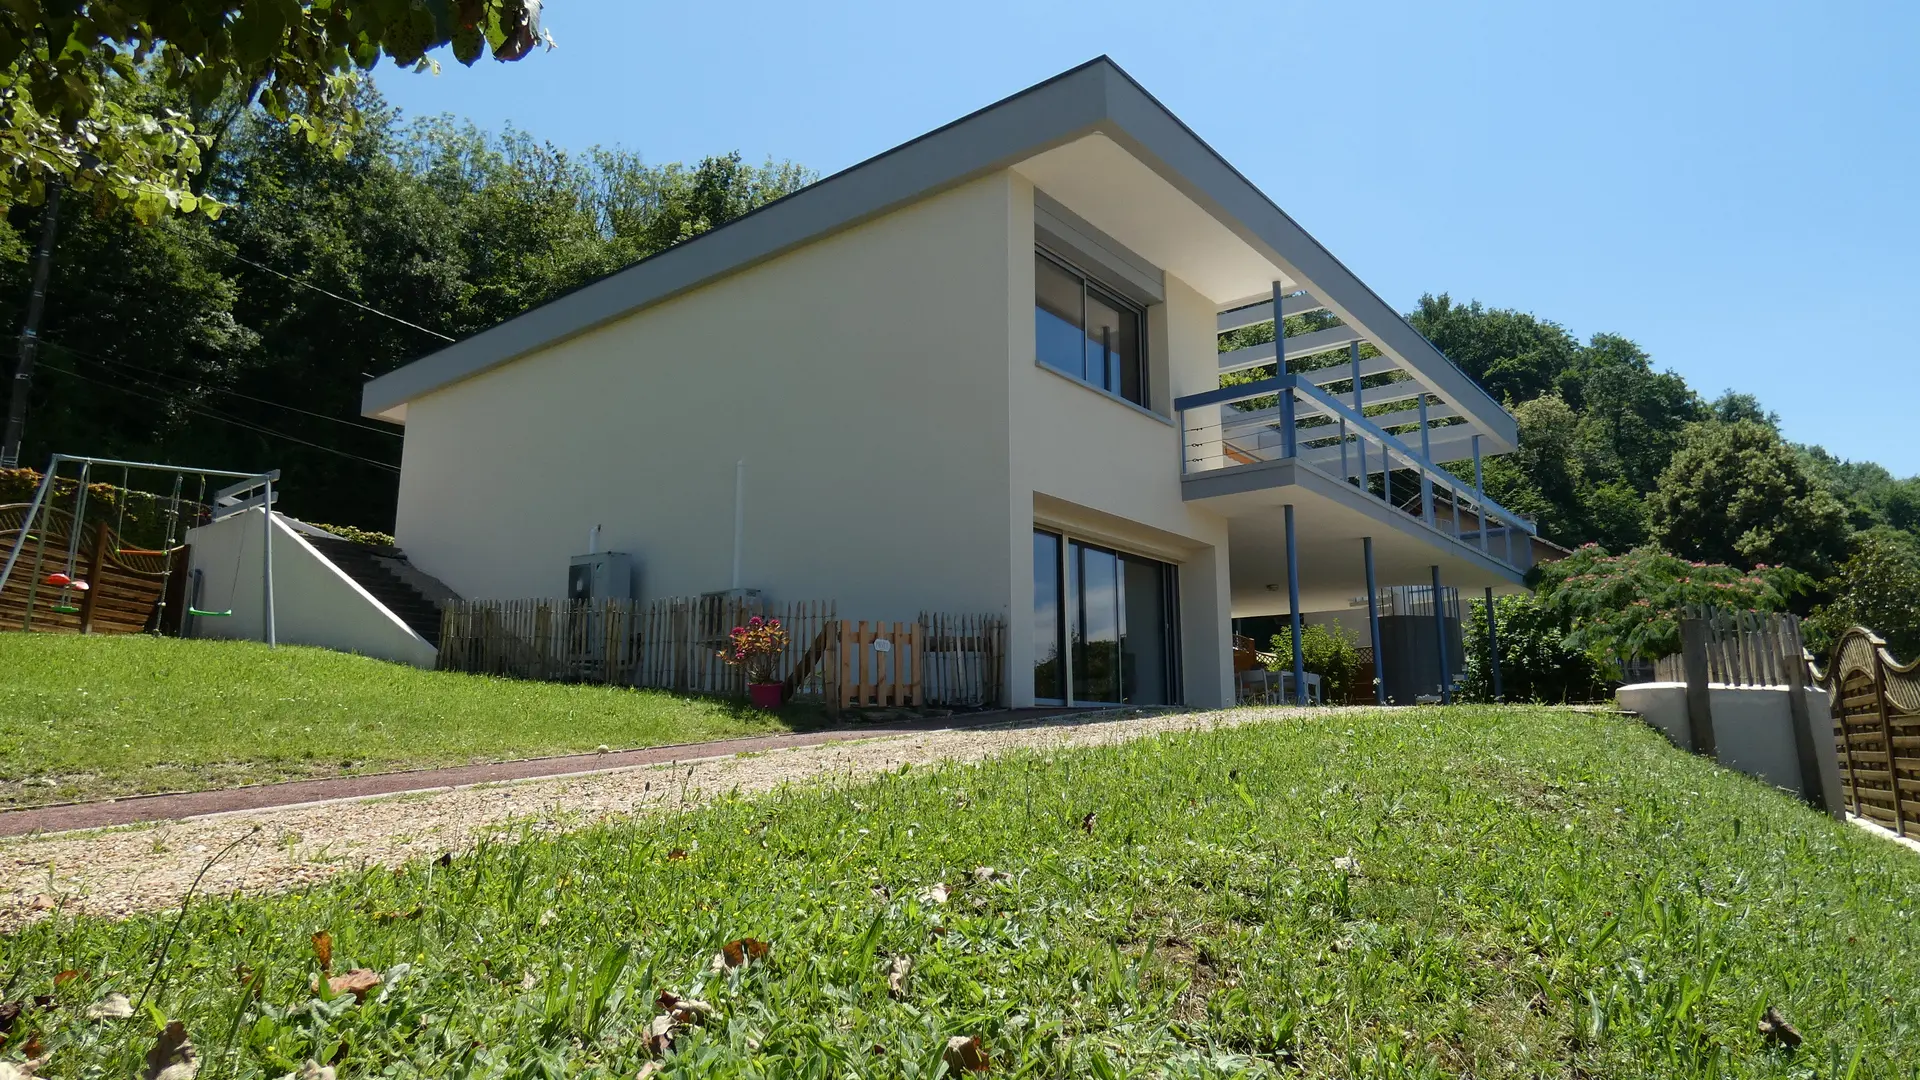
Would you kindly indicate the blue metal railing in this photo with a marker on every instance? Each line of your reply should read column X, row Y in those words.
column 1233, row 427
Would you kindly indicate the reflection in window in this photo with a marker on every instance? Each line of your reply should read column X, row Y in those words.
column 1084, row 331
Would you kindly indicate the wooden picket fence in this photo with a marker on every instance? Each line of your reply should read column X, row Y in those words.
column 672, row 643
column 1743, row 648
column 675, row 643
column 1876, row 730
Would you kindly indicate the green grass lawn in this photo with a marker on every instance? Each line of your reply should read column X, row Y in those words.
column 1465, row 892
column 106, row 716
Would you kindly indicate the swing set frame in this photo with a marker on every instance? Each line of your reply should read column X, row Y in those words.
column 246, row 492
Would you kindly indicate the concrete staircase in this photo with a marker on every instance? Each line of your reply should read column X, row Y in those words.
column 374, row 569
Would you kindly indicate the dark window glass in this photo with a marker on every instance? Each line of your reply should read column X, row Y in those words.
column 1083, row 331
column 1096, row 623
column 1146, row 655
column 1113, row 346
column 1059, row 302
column 1049, row 663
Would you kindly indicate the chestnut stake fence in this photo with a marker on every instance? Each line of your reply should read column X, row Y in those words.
column 674, row 643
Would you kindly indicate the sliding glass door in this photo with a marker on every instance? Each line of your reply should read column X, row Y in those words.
column 1105, row 625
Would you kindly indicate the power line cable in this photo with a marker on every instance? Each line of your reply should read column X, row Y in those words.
column 98, row 359
column 226, row 419
column 309, row 285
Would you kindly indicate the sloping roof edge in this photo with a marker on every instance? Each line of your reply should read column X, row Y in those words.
column 1096, row 96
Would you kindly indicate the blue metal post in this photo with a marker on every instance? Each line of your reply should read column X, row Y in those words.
column 1493, row 647
column 1288, row 435
column 1440, row 634
column 1293, row 606
column 1426, row 461
column 1353, row 352
column 1346, row 474
column 1373, row 626
column 1479, row 478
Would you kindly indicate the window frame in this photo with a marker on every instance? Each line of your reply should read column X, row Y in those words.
column 1117, row 299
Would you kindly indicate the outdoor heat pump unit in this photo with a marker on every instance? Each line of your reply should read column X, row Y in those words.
column 604, row 575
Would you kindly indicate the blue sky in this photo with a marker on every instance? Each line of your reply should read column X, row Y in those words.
column 1731, row 185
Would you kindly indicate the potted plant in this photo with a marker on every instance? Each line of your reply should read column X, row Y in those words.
column 757, row 647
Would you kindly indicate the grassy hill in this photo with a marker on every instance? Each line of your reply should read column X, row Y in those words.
column 1421, row 893
column 93, row 717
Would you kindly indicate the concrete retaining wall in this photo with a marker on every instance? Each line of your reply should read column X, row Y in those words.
column 1752, row 726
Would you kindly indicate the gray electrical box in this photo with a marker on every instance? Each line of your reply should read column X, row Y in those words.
column 607, row 575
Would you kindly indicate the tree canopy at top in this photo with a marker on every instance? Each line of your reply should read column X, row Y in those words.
column 88, row 89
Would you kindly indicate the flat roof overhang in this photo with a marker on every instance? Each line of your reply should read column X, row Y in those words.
column 1097, row 104
column 1330, row 520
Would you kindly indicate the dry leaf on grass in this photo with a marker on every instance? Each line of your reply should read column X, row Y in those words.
column 312, row 1070
column 43, row 902
column 172, row 1056
column 677, row 1014
column 323, row 949
column 1347, row 864
column 966, row 1053
column 648, row 1070
column 676, row 854
column 897, row 976
column 65, row 977
column 987, row 875
column 739, row 953
column 359, row 982
column 1774, row 1027
column 1087, row 823
column 111, row 1007
column 395, row 916
column 936, row 895
column 21, row 1070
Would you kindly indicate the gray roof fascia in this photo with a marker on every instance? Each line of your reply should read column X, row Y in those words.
column 1096, row 96
column 1154, row 135
column 1055, row 112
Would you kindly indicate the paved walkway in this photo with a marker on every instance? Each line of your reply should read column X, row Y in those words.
column 144, row 808
column 123, row 871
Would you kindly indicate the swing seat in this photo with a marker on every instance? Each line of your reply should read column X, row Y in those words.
column 66, row 609
column 209, row 614
column 57, row 578
column 78, row 586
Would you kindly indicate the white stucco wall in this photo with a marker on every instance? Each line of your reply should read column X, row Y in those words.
column 313, row 602
column 1092, row 466
column 861, row 378
column 1752, row 728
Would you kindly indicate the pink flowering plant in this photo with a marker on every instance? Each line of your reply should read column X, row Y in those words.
column 1627, row 607
column 757, row 647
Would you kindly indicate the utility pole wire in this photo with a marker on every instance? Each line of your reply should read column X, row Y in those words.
column 309, row 285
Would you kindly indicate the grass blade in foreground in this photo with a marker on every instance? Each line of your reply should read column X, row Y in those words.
column 1514, row 892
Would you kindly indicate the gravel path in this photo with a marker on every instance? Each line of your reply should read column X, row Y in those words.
column 150, row 867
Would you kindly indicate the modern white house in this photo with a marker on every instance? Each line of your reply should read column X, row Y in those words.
column 981, row 371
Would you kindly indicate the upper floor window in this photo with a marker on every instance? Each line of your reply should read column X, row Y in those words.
column 1088, row 332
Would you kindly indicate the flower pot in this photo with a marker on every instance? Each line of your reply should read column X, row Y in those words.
column 764, row 695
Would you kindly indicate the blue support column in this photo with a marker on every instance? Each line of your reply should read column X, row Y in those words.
column 1353, row 353
column 1426, row 462
column 1493, row 647
column 1440, row 633
column 1479, row 477
column 1373, row 626
column 1293, row 606
column 1346, row 473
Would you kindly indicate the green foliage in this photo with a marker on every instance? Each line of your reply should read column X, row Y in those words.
column 1628, row 607
column 102, row 717
column 1493, row 892
column 139, row 517
column 358, row 536
column 1327, row 651
column 1736, row 493
column 160, row 344
column 110, row 97
column 1536, row 662
column 1878, row 587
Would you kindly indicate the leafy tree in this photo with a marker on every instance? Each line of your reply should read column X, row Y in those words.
column 209, row 343
column 1536, row 663
column 1512, row 354
column 1878, row 587
column 1872, row 495
column 86, row 90
column 1628, row 607
column 1736, row 493
column 1731, row 407
column 1327, row 651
